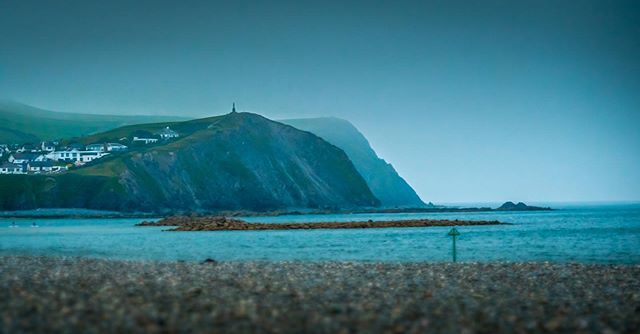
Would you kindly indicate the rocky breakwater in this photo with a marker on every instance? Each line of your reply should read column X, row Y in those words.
column 210, row 223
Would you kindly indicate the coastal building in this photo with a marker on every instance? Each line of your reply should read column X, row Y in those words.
column 69, row 155
column 88, row 156
column 75, row 155
column 9, row 168
column 40, row 166
column 106, row 147
column 50, row 160
column 116, row 147
column 46, row 166
column 48, row 146
column 97, row 147
column 19, row 158
column 145, row 140
column 167, row 133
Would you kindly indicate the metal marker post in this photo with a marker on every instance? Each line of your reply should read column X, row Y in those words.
column 454, row 234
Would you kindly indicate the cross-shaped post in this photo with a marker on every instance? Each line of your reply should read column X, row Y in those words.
column 454, row 234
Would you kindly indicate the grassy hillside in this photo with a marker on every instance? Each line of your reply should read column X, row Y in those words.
column 21, row 123
column 68, row 190
column 185, row 128
column 238, row 161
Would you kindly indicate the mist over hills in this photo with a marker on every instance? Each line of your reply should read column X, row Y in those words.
column 389, row 187
column 230, row 162
column 21, row 123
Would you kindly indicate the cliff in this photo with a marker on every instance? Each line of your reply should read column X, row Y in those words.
column 383, row 180
column 239, row 161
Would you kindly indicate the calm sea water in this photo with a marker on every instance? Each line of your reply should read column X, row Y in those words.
column 593, row 234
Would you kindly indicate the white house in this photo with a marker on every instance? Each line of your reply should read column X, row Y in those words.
column 88, row 156
column 19, row 158
column 8, row 168
column 75, row 155
column 41, row 166
column 116, row 147
column 96, row 147
column 109, row 147
column 167, row 133
column 66, row 155
column 145, row 140
column 48, row 146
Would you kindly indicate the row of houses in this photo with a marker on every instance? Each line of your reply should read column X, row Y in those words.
column 50, row 157
column 47, row 166
column 75, row 154
column 46, row 160
column 145, row 137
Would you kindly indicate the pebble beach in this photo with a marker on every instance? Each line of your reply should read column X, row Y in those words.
column 73, row 295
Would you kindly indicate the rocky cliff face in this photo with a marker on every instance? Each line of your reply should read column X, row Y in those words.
column 239, row 161
column 383, row 180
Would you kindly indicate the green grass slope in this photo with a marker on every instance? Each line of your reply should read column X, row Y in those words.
column 21, row 123
column 239, row 161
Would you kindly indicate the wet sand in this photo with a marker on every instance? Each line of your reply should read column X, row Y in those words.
column 183, row 223
column 79, row 295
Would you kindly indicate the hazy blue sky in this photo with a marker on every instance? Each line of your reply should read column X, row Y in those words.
column 470, row 100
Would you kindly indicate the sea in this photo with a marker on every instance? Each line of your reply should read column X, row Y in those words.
column 584, row 233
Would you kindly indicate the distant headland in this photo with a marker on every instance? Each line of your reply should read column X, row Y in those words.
column 238, row 164
column 83, row 213
column 510, row 206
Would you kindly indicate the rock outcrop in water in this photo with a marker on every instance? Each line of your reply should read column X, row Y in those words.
column 510, row 206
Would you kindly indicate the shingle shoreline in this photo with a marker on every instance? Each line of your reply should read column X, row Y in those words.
column 80, row 295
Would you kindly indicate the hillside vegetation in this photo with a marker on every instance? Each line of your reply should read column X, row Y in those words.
column 20, row 123
column 239, row 161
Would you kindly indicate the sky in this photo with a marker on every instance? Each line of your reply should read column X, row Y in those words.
column 471, row 101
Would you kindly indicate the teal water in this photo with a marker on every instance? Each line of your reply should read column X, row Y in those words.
column 590, row 234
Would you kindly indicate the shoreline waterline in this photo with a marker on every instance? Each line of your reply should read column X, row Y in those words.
column 607, row 235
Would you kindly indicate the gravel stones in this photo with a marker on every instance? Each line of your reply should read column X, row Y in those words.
column 50, row 294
